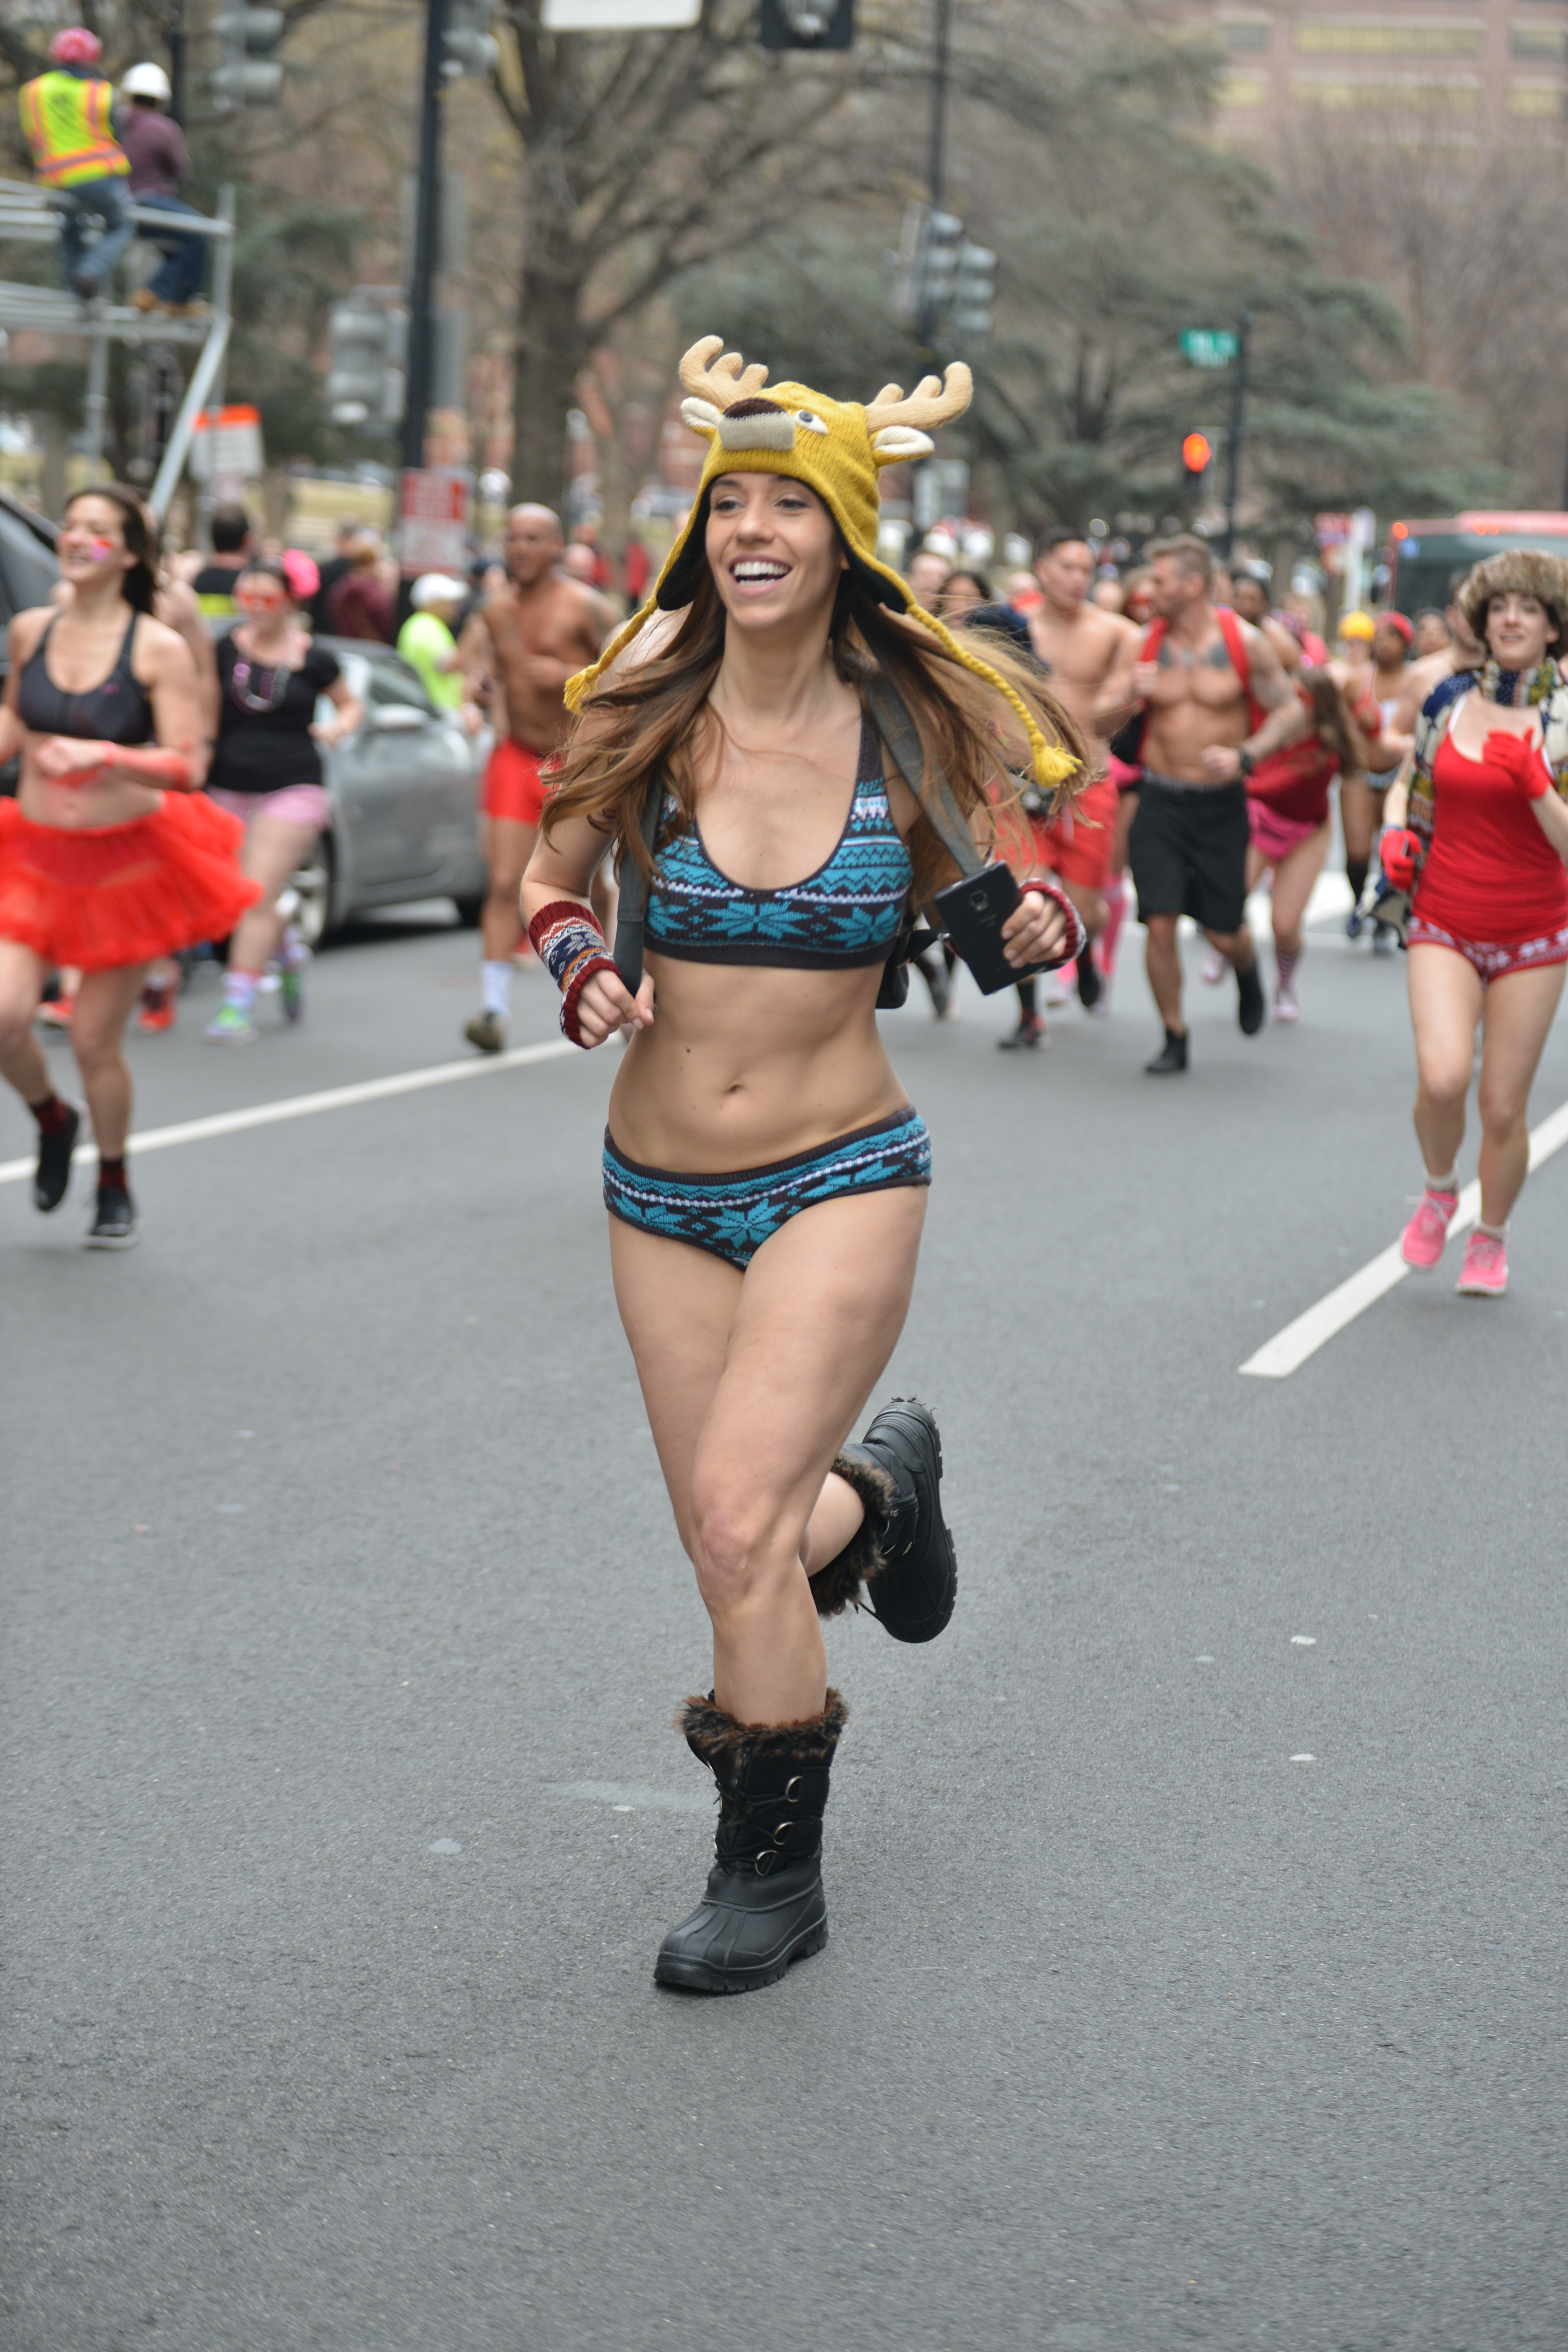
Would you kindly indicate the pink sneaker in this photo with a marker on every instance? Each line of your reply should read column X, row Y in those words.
column 1428, row 1229
column 1484, row 1273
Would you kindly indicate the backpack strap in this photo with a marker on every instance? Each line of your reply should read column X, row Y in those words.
column 1236, row 647
column 631, row 912
column 891, row 716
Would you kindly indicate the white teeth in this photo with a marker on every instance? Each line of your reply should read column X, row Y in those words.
column 760, row 570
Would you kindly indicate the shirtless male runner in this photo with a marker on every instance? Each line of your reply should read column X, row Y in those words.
column 534, row 633
column 1189, row 839
column 1079, row 644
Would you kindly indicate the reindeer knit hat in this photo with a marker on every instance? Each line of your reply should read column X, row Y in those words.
column 835, row 447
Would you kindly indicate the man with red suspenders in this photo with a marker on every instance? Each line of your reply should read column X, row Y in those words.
column 1214, row 701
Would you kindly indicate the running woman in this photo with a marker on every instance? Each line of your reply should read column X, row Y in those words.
column 266, row 772
column 1362, row 797
column 1288, row 821
column 109, row 855
column 1481, row 830
column 764, row 1170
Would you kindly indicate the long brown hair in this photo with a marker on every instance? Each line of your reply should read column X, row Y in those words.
column 653, row 718
column 1333, row 723
column 141, row 584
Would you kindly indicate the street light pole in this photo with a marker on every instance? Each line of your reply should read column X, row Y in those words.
column 936, row 168
column 1238, row 430
column 426, row 231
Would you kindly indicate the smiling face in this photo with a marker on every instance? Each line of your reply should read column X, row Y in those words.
column 1519, row 630
column 774, row 550
column 92, row 549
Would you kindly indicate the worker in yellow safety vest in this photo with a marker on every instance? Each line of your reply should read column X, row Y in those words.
column 68, row 121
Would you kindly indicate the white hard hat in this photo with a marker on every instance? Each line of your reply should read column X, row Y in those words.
column 147, row 81
column 436, row 588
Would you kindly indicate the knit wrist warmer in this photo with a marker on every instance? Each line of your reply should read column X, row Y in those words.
column 568, row 942
column 1077, row 937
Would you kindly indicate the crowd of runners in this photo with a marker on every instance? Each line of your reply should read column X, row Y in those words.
column 171, row 721
column 808, row 770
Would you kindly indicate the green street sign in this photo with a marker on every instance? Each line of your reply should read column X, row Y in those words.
column 1208, row 346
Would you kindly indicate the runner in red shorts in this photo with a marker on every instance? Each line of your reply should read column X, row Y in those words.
column 1481, row 830
column 1081, row 648
column 531, row 636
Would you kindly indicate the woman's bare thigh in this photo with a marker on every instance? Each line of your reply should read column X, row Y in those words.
column 757, row 1379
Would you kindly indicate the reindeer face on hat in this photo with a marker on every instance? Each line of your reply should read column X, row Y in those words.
column 836, row 448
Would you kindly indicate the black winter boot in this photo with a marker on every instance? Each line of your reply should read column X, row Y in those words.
column 902, row 1548
column 764, row 1905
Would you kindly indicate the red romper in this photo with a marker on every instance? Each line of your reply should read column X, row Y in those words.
column 1491, row 887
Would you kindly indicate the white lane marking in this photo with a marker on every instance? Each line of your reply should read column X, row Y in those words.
column 1289, row 1348
column 407, row 1082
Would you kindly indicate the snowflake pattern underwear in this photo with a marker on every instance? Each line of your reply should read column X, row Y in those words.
column 731, row 1216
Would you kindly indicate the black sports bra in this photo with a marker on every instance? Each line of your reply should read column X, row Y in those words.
column 117, row 711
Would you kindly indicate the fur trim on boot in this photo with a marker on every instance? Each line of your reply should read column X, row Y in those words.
column 836, row 1587
column 763, row 1908
column 708, row 1732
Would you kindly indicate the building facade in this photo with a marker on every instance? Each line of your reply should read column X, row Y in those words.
column 1482, row 73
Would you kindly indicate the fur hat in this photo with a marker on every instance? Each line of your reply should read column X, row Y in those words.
column 1519, row 572
column 836, row 448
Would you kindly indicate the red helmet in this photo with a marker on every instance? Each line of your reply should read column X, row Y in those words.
column 76, row 47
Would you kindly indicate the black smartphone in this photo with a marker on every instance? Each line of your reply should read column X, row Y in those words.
column 973, row 912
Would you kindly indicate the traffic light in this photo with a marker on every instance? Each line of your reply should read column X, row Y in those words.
column 807, row 24
column 942, row 239
column 249, row 75
column 973, row 292
column 468, row 52
column 369, row 332
column 1197, row 456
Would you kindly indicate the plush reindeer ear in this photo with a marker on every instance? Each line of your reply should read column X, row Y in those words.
column 701, row 415
column 894, row 443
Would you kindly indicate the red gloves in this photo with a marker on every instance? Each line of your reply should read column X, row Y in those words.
column 1399, row 853
column 1522, row 761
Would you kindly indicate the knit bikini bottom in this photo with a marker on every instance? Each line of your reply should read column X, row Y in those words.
column 731, row 1216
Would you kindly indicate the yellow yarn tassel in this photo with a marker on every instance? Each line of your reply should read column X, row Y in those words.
column 1051, row 765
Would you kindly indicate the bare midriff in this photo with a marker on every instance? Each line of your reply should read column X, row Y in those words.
column 746, row 1064
column 74, row 807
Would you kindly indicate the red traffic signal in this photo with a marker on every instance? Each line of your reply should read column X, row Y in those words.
column 1195, row 455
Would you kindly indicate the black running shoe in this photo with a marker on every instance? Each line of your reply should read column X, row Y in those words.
column 114, row 1226
column 53, row 1173
column 1088, row 981
column 1171, row 1058
column 913, row 1591
column 1250, row 1008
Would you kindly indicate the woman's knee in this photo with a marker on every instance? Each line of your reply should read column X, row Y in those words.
column 1444, row 1081
column 734, row 1540
column 1503, row 1114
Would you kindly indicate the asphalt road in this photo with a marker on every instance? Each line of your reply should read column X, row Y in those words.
column 345, row 1626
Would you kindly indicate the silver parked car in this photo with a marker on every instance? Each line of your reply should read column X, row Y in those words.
column 404, row 796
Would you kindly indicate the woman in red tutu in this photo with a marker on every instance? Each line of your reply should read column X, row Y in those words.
column 109, row 855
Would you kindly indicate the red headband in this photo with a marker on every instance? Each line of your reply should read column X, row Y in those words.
column 1397, row 621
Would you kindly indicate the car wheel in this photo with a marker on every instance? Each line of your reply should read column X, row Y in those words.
column 313, row 888
column 469, row 912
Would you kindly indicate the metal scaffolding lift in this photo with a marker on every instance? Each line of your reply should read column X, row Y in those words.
column 29, row 215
